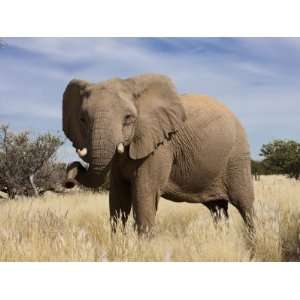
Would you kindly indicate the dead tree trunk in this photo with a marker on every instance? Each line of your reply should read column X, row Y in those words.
column 35, row 190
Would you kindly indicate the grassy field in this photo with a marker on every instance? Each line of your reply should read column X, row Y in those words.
column 75, row 227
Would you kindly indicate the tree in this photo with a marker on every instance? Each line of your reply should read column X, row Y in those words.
column 282, row 157
column 23, row 158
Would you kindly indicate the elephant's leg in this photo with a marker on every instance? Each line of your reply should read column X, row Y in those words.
column 145, row 196
column 119, row 202
column 247, row 213
column 145, row 203
column 218, row 209
column 150, row 176
column 241, row 193
column 244, row 205
column 246, row 210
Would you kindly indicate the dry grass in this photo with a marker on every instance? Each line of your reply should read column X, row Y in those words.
column 75, row 227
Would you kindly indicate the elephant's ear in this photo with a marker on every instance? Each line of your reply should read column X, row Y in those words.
column 72, row 102
column 160, row 113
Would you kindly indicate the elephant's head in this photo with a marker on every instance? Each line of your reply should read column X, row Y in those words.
column 103, row 119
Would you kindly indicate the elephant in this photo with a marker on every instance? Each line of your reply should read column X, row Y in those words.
column 157, row 143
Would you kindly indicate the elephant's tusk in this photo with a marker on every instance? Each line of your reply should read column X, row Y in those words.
column 120, row 148
column 82, row 152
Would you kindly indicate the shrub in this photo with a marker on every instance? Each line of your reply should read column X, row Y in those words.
column 282, row 157
column 27, row 164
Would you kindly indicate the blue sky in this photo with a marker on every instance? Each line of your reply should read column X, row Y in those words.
column 257, row 78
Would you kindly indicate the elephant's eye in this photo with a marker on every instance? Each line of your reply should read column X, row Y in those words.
column 82, row 117
column 82, row 120
column 129, row 119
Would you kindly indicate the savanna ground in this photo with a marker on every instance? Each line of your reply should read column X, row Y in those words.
column 75, row 227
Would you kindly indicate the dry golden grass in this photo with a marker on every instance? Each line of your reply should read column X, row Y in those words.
column 75, row 227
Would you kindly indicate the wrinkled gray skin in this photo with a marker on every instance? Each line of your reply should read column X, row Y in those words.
column 180, row 147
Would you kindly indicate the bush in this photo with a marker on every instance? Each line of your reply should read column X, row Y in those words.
column 282, row 157
column 50, row 177
column 27, row 165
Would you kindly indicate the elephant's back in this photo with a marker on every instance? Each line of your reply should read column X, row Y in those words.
column 216, row 130
column 205, row 113
column 199, row 106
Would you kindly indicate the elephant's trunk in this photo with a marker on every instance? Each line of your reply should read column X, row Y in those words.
column 77, row 174
column 102, row 147
column 94, row 176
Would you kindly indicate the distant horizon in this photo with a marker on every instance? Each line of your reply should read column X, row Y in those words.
column 257, row 78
